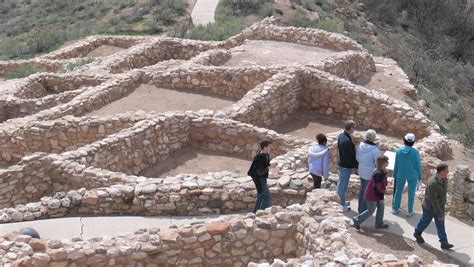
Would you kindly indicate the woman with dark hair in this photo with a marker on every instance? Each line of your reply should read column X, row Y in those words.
column 407, row 169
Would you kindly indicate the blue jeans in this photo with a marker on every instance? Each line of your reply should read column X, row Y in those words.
column 425, row 220
column 371, row 206
column 397, row 198
column 362, row 206
column 342, row 183
column 264, row 199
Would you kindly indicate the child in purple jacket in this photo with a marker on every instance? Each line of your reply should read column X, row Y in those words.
column 374, row 194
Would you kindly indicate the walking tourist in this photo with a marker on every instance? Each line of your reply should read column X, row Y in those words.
column 407, row 169
column 318, row 160
column 366, row 154
column 433, row 206
column 375, row 195
column 347, row 161
column 259, row 173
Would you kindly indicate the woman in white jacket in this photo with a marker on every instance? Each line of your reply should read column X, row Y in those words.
column 366, row 154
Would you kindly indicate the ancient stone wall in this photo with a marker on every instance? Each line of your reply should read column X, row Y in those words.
column 460, row 195
column 228, row 82
column 270, row 102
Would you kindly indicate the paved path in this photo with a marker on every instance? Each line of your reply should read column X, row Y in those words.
column 460, row 234
column 99, row 226
column 203, row 12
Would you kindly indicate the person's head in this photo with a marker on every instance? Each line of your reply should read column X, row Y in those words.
column 322, row 139
column 371, row 135
column 349, row 126
column 409, row 139
column 442, row 170
column 382, row 162
column 266, row 146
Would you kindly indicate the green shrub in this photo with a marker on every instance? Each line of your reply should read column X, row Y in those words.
column 332, row 25
column 74, row 65
column 22, row 71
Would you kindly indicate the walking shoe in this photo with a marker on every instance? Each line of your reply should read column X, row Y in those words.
column 348, row 203
column 409, row 214
column 346, row 208
column 419, row 238
column 446, row 246
column 394, row 211
column 383, row 226
column 356, row 225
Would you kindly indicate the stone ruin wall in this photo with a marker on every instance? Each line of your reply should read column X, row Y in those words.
column 88, row 175
column 315, row 231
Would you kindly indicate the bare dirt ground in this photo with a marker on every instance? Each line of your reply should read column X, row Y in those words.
column 151, row 98
column 388, row 78
column 103, row 51
column 196, row 161
column 306, row 125
column 259, row 52
column 461, row 156
column 384, row 242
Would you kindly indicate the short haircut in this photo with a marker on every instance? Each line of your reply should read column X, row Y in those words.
column 408, row 143
column 381, row 160
column 265, row 143
column 441, row 167
column 349, row 124
column 322, row 139
column 371, row 135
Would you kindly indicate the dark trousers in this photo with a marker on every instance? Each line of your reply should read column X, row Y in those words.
column 316, row 180
column 426, row 219
column 264, row 198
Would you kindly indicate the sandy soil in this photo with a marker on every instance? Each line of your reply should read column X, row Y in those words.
column 389, row 79
column 259, row 52
column 383, row 242
column 461, row 156
column 196, row 161
column 306, row 125
column 103, row 51
column 151, row 98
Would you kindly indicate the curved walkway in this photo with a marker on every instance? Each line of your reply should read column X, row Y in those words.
column 203, row 12
column 460, row 234
column 89, row 227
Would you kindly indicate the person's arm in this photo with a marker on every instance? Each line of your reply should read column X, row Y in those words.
column 326, row 165
column 418, row 164
column 395, row 166
column 375, row 154
column 433, row 196
column 261, row 166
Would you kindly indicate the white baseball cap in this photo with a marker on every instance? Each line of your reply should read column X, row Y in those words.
column 410, row 137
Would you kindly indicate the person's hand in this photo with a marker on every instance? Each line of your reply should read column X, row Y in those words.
column 440, row 217
column 381, row 201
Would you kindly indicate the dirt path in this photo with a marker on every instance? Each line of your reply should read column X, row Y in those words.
column 103, row 51
column 389, row 79
column 151, row 98
column 204, row 11
column 196, row 161
column 461, row 156
column 260, row 52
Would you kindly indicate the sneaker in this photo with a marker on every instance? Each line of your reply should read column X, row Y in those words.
column 346, row 208
column 419, row 238
column 356, row 225
column 409, row 214
column 394, row 211
column 446, row 246
column 383, row 226
column 348, row 203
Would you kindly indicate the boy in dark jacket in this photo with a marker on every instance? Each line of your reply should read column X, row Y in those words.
column 259, row 173
column 347, row 161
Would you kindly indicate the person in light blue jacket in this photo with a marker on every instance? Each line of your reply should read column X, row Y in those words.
column 366, row 154
column 407, row 169
column 318, row 160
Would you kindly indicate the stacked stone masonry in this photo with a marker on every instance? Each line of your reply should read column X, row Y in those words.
column 60, row 162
